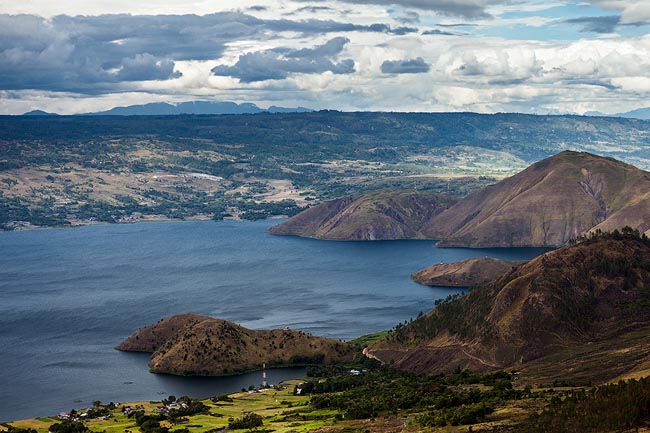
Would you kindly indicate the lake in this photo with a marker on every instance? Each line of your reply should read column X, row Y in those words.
column 70, row 295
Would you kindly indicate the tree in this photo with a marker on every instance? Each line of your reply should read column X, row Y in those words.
column 68, row 427
column 248, row 421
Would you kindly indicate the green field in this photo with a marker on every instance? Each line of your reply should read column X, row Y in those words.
column 399, row 402
column 282, row 412
column 368, row 339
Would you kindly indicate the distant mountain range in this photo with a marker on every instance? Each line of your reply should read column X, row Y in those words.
column 215, row 107
column 641, row 113
column 39, row 113
column 193, row 107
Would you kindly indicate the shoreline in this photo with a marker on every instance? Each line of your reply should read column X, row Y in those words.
column 204, row 256
column 202, row 218
column 158, row 396
column 240, row 397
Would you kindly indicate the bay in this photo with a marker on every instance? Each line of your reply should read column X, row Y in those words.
column 68, row 296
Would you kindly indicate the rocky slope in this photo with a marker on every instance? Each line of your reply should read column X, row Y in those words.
column 548, row 203
column 465, row 273
column 580, row 312
column 190, row 344
column 381, row 215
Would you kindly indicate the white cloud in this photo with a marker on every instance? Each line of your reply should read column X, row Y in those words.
column 169, row 58
column 639, row 11
column 633, row 84
column 455, row 96
column 533, row 6
column 632, row 11
column 48, row 8
column 464, row 8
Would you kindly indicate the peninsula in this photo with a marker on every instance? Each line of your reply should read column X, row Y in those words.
column 195, row 345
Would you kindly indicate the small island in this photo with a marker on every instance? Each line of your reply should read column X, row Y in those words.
column 465, row 273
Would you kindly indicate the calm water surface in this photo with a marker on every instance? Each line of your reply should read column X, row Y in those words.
column 68, row 296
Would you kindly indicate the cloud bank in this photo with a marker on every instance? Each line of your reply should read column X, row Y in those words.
column 463, row 8
column 98, row 53
column 277, row 64
column 415, row 55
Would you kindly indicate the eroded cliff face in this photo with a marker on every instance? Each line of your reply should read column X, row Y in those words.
column 382, row 215
column 191, row 344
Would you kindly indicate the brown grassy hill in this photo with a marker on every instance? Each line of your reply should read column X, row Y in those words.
column 465, row 273
column 190, row 344
column 548, row 203
column 580, row 311
column 381, row 215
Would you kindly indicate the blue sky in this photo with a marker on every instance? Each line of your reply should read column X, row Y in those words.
column 394, row 55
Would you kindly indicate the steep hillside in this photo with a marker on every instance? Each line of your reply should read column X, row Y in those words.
column 190, row 344
column 581, row 311
column 548, row 203
column 382, row 215
column 465, row 273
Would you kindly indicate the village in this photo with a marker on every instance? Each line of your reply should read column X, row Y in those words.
column 175, row 414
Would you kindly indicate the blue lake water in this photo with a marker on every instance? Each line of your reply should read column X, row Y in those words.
column 68, row 296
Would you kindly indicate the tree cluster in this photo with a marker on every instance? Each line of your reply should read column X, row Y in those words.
column 384, row 391
column 248, row 421
column 68, row 426
column 616, row 407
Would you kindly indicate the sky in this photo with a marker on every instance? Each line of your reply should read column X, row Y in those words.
column 484, row 56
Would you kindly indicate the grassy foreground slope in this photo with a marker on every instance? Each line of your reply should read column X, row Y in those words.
column 591, row 298
column 380, row 401
column 275, row 405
